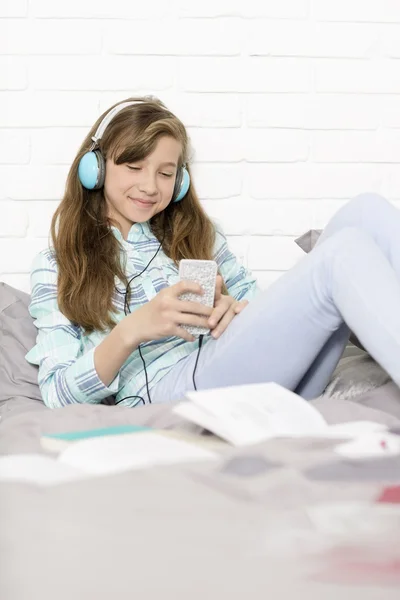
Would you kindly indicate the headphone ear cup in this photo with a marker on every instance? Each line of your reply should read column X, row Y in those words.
column 182, row 184
column 92, row 170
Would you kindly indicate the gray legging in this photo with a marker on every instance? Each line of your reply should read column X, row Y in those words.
column 294, row 333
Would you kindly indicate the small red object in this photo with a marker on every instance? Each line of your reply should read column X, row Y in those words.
column 390, row 494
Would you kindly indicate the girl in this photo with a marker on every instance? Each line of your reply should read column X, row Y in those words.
column 106, row 295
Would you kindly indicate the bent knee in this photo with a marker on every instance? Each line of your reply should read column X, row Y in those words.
column 350, row 239
column 368, row 203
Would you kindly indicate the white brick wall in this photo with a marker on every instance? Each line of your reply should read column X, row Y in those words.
column 293, row 106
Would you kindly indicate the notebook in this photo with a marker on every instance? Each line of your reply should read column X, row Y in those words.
column 57, row 442
column 117, row 453
column 249, row 414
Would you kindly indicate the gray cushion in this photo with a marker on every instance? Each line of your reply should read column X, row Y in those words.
column 308, row 240
column 18, row 335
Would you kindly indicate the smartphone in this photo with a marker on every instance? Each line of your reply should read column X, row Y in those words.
column 203, row 272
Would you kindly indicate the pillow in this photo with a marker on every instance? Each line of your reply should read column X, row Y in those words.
column 308, row 240
column 18, row 335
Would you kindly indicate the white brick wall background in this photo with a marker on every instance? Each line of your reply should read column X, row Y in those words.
column 293, row 106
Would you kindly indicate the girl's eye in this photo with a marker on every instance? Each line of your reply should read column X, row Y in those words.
column 133, row 168
column 167, row 174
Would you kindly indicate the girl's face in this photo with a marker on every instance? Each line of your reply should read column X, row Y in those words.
column 135, row 192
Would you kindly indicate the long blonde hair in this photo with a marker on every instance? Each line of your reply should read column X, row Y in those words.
column 86, row 250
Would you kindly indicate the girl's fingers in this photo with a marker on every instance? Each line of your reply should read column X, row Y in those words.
column 185, row 335
column 216, row 315
column 223, row 324
column 190, row 319
column 218, row 289
column 187, row 306
column 239, row 306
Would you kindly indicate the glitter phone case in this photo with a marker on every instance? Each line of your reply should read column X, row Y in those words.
column 203, row 272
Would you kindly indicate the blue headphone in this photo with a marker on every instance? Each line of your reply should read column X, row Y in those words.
column 92, row 166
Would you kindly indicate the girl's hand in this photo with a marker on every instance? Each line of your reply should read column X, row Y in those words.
column 225, row 309
column 164, row 315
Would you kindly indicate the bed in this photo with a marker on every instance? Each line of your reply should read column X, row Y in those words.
column 262, row 521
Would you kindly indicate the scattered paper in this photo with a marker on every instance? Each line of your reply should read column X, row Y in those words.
column 371, row 445
column 112, row 454
column 355, row 518
column 37, row 469
column 353, row 429
column 204, row 418
column 249, row 414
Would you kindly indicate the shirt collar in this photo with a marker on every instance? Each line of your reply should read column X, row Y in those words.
column 135, row 234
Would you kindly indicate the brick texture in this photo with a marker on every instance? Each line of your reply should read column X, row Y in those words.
column 292, row 107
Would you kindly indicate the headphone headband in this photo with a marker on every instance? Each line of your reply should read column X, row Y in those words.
column 109, row 117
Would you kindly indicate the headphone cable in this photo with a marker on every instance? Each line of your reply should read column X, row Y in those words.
column 128, row 310
column 197, row 360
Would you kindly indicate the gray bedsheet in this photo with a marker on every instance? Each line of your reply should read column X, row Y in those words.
column 233, row 529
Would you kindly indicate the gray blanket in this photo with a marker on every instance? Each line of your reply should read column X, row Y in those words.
column 246, row 526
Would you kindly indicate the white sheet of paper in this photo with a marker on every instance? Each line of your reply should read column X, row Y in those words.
column 204, row 418
column 36, row 468
column 249, row 414
column 353, row 429
column 371, row 445
column 350, row 430
column 353, row 518
column 112, row 454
